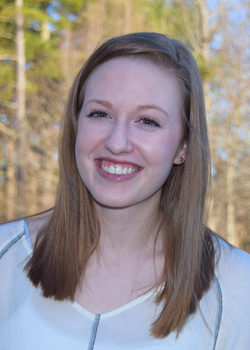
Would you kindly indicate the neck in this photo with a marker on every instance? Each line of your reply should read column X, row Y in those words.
column 128, row 230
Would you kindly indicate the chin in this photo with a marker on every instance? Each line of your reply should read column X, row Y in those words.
column 112, row 203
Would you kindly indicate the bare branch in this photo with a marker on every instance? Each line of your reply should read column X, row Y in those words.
column 8, row 104
column 8, row 57
column 7, row 131
column 7, row 36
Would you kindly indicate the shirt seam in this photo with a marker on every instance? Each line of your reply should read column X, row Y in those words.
column 220, row 310
column 94, row 332
column 10, row 244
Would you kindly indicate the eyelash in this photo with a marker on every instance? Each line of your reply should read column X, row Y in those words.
column 149, row 122
column 97, row 114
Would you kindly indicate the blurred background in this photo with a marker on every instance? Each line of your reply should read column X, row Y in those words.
column 43, row 44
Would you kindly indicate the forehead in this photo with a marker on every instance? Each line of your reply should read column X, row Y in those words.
column 125, row 63
column 131, row 73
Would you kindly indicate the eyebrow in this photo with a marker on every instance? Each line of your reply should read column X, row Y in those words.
column 153, row 106
column 101, row 102
column 139, row 108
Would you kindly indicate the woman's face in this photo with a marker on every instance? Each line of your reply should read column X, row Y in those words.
column 129, row 132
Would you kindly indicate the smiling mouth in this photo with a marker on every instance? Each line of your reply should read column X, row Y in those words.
column 117, row 169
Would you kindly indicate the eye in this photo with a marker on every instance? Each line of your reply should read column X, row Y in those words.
column 149, row 122
column 97, row 114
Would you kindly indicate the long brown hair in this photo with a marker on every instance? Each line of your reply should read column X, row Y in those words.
column 65, row 244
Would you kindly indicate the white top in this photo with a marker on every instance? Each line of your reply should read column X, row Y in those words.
column 29, row 321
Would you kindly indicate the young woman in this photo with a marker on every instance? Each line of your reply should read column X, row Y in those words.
column 124, row 261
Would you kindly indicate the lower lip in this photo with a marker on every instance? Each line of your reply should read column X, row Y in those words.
column 114, row 177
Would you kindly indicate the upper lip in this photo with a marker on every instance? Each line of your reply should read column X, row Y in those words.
column 117, row 162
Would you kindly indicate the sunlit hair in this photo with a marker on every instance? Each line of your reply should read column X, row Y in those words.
column 65, row 244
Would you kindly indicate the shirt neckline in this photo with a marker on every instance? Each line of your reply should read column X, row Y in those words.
column 80, row 308
column 119, row 309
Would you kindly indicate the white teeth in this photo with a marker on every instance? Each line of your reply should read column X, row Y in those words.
column 112, row 169
column 118, row 170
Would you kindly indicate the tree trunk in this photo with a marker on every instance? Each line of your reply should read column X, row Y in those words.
column 10, row 184
column 20, row 91
column 232, row 236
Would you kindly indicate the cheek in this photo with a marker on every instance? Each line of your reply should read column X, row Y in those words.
column 81, row 148
column 88, row 140
column 162, row 151
column 84, row 139
column 89, row 135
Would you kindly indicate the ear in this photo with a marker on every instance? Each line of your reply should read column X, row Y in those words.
column 181, row 155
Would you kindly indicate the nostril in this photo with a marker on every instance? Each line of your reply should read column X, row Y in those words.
column 118, row 141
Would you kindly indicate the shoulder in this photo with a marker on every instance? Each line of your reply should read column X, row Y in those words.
column 10, row 233
column 233, row 266
column 233, row 278
column 233, row 273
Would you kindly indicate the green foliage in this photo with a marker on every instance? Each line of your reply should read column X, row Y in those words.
column 41, row 55
column 73, row 6
column 42, row 58
column 7, row 78
column 207, row 72
column 7, row 10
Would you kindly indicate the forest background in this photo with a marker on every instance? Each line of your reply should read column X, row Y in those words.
column 43, row 44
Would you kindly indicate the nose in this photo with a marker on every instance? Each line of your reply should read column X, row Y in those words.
column 118, row 140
